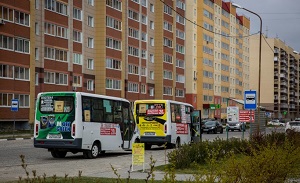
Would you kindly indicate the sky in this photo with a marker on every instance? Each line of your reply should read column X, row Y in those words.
column 280, row 19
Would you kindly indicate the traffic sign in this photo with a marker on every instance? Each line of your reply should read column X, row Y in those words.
column 246, row 115
column 250, row 100
column 15, row 105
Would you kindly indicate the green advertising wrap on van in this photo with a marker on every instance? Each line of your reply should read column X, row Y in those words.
column 56, row 114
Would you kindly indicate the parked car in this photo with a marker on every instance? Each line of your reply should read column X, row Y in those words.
column 297, row 119
column 292, row 126
column 212, row 126
column 275, row 122
column 235, row 126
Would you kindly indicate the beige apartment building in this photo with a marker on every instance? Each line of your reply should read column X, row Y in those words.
column 279, row 76
column 217, row 56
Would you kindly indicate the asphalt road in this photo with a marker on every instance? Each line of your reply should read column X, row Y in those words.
column 42, row 161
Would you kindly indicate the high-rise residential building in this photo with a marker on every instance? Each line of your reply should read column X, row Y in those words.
column 217, row 56
column 279, row 83
column 126, row 48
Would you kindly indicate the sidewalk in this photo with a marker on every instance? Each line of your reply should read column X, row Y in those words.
column 18, row 136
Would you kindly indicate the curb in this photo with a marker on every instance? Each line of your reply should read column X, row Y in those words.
column 9, row 139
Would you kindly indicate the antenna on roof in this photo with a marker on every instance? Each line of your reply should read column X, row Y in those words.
column 267, row 31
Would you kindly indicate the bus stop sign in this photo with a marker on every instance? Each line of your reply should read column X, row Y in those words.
column 15, row 105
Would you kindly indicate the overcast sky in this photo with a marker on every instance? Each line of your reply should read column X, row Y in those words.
column 280, row 17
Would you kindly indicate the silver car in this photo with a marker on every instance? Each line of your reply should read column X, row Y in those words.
column 292, row 126
column 235, row 126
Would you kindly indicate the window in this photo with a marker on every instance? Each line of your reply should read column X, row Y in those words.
column 168, row 74
column 151, row 24
column 151, row 7
column 49, row 53
column 151, row 58
column 179, row 93
column 167, row 9
column 61, row 79
column 7, row 14
column 113, row 84
column 113, row 64
column 112, row 43
column 151, row 41
column 21, row 73
column 62, row 32
column 90, row 21
column 77, row 81
column 77, row 14
column 50, row 29
column 144, row 36
column 179, row 63
column 37, row 29
column 90, row 64
column 77, row 58
column 180, row 4
column 36, row 79
column 168, row 91
column 49, row 77
column 90, row 43
column 91, row 2
column 22, row 18
column 36, row 54
column 144, row 19
column 22, row 45
column 168, row 26
column 180, row 78
column 180, row 48
column 168, row 42
column 56, row 6
column 168, row 58
column 23, row 100
column 113, row 23
column 144, row 3
column 144, row 54
column 133, row 87
column 151, row 92
column 133, row 33
column 115, row 4
column 133, row 51
column 143, row 89
column 151, row 74
column 133, row 15
column 77, row 36
column 90, row 85
column 6, row 42
column 5, row 99
column 180, row 19
column 61, row 55
column 180, row 34
column 133, row 69
column 144, row 71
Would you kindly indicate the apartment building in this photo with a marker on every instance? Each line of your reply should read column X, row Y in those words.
column 126, row 48
column 279, row 76
column 218, row 56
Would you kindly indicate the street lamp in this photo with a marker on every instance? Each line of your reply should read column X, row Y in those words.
column 259, row 61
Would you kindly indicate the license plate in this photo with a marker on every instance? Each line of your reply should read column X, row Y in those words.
column 54, row 136
column 149, row 133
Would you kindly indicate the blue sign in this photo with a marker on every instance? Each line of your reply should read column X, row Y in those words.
column 15, row 105
column 250, row 100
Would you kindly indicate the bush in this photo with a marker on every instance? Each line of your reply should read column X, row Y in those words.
column 199, row 152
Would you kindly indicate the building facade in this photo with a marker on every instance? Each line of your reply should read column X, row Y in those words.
column 126, row 48
column 279, row 76
column 217, row 56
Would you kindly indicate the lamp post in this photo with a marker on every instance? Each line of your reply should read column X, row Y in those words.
column 259, row 59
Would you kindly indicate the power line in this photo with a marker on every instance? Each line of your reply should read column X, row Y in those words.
column 204, row 27
column 268, row 43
